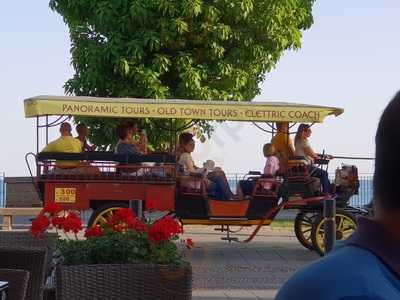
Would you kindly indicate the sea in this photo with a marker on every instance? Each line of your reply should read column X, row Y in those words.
column 363, row 198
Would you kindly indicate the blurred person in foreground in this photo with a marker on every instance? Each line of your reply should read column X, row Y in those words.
column 366, row 265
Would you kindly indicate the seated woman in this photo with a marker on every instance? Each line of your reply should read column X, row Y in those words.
column 303, row 149
column 217, row 183
column 246, row 187
column 125, row 145
column 83, row 132
column 138, row 140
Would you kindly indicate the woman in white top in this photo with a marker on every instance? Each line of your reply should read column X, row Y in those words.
column 217, row 182
column 303, row 148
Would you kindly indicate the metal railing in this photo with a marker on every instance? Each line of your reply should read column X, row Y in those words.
column 364, row 194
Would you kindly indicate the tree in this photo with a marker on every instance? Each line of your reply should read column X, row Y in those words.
column 191, row 49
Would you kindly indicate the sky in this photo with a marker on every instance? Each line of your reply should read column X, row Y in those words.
column 349, row 59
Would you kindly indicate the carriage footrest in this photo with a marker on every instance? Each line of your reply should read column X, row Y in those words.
column 230, row 239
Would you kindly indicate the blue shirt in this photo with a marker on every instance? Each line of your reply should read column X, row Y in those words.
column 125, row 148
column 365, row 267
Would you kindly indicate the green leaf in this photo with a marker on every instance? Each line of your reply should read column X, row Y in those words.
column 193, row 49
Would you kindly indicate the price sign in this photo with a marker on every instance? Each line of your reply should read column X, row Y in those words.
column 65, row 195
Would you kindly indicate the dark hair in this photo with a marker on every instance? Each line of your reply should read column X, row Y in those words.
column 387, row 159
column 132, row 123
column 79, row 127
column 279, row 125
column 65, row 126
column 185, row 138
column 122, row 131
column 300, row 130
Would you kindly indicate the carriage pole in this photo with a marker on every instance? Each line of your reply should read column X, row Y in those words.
column 329, row 224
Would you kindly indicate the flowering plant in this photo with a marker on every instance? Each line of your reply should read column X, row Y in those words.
column 124, row 238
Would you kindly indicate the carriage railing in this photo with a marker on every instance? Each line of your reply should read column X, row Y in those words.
column 106, row 167
column 363, row 198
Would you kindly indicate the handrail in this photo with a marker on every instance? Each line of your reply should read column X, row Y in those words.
column 107, row 156
column 354, row 157
column 30, row 172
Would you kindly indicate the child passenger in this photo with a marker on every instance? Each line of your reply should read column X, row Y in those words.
column 272, row 162
column 245, row 187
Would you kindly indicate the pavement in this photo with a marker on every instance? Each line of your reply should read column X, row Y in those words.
column 223, row 270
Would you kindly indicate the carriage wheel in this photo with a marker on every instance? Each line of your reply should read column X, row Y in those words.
column 303, row 227
column 345, row 225
column 103, row 212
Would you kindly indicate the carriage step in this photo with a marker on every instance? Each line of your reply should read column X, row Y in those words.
column 228, row 219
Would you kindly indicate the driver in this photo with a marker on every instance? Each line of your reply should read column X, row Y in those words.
column 283, row 144
column 303, row 148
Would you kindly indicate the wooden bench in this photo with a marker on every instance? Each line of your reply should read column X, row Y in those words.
column 9, row 212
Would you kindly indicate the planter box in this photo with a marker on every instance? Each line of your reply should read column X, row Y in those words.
column 123, row 282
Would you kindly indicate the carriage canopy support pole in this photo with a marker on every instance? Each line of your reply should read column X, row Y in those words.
column 329, row 224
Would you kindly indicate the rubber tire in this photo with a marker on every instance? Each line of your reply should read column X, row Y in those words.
column 299, row 232
column 318, row 220
column 103, row 207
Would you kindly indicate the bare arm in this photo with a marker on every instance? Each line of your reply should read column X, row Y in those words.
column 291, row 148
column 310, row 152
column 190, row 166
column 187, row 161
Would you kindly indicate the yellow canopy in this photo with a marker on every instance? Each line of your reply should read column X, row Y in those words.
column 177, row 109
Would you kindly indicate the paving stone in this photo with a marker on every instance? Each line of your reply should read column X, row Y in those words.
column 223, row 270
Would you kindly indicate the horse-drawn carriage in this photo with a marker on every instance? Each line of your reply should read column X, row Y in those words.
column 111, row 181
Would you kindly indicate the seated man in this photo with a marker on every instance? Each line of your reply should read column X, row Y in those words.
column 65, row 144
column 283, row 144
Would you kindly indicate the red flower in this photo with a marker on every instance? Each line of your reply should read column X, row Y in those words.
column 95, row 231
column 189, row 243
column 138, row 225
column 52, row 208
column 58, row 222
column 118, row 228
column 164, row 229
column 40, row 225
column 122, row 215
column 72, row 223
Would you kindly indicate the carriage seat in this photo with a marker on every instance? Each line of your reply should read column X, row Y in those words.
column 297, row 161
column 305, row 186
column 266, row 186
column 192, row 184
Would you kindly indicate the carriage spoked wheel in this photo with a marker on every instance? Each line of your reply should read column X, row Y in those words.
column 303, row 227
column 346, row 224
column 104, row 212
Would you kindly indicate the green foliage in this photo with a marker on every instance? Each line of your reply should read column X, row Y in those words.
column 191, row 49
column 118, row 248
